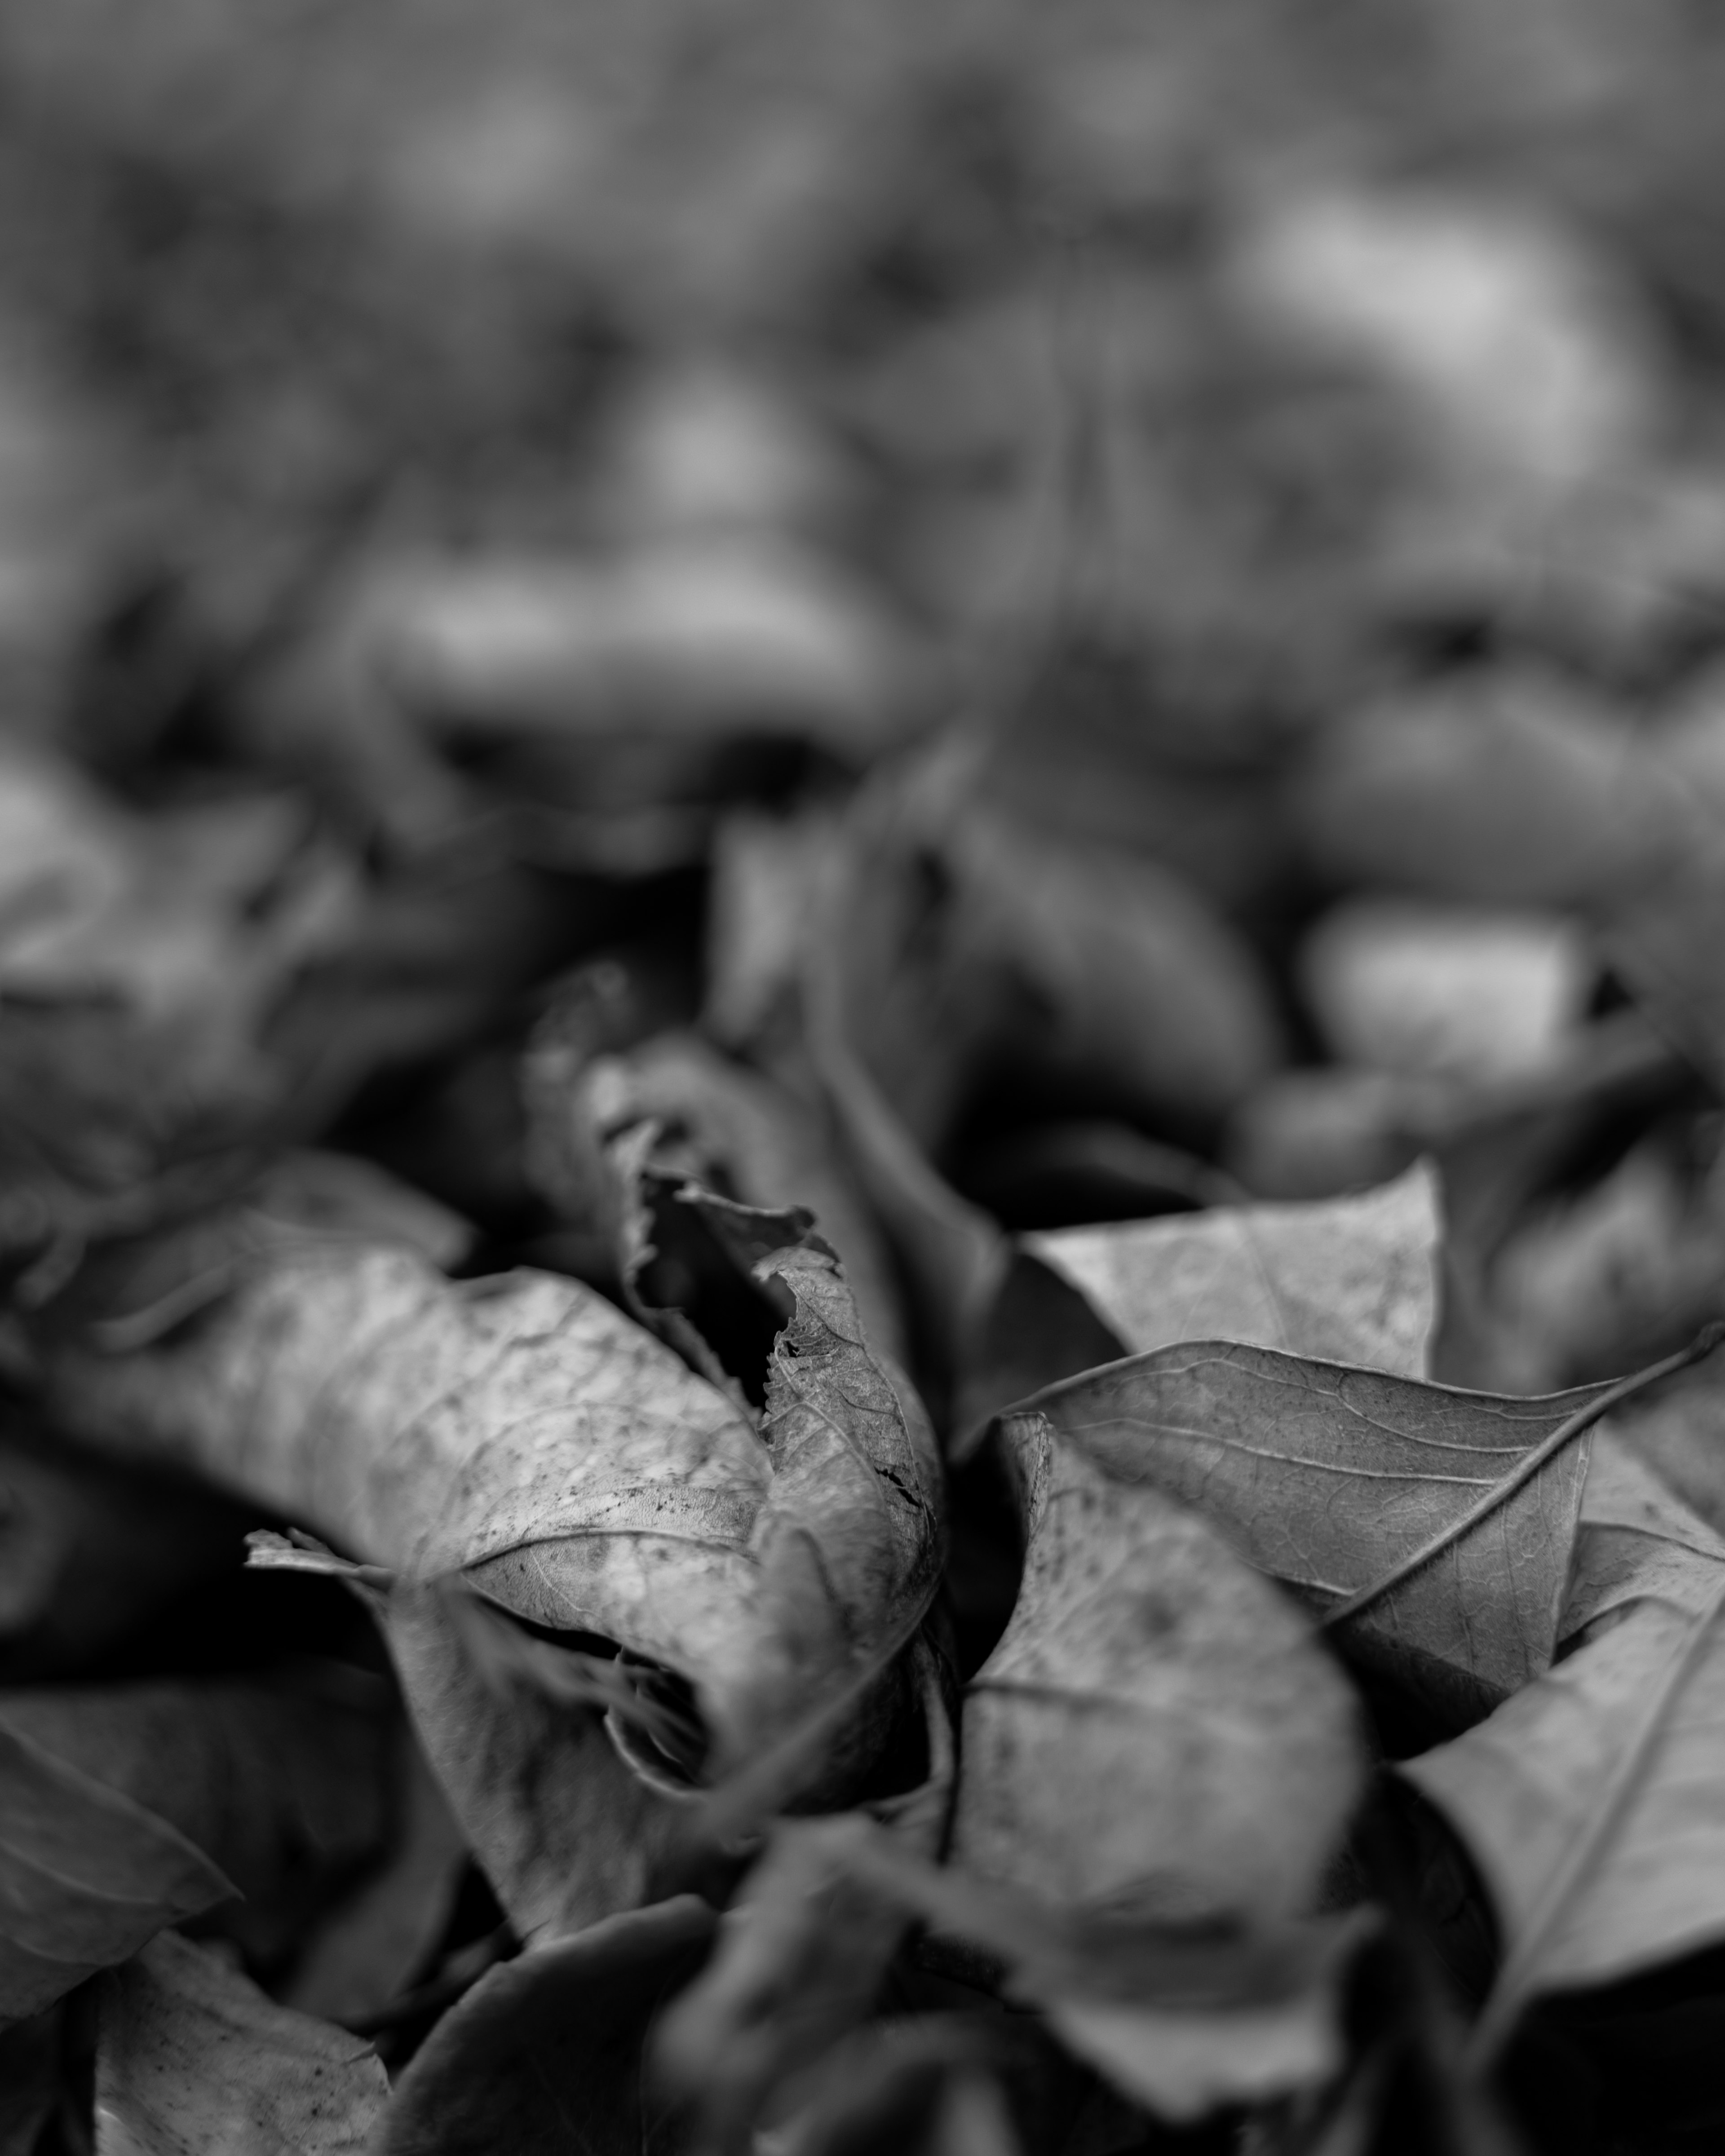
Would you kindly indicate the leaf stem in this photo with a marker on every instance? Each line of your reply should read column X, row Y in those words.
column 1584, row 1419
column 1509, row 1995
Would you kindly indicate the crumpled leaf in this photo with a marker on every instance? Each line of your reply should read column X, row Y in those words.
column 194, row 2060
column 1157, row 1727
column 283, row 1787
column 1589, row 1799
column 523, row 1432
column 716, row 1122
column 549, row 2046
column 1327, row 1476
column 1351, row 1280
column 87, row 1877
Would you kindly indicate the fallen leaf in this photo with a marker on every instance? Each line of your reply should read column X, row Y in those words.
column 88, row 1876
column 549, row 2047
column 717, row 1123
column 356, row 1390
column 1157, row 1727
column 1586, row 1798
column 1352, row 1280
column 1327, row 1477
column 193, row 2058
column 283, row 1787
column 932, row 2086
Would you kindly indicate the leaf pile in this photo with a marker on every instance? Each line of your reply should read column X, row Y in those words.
column 862, row 1083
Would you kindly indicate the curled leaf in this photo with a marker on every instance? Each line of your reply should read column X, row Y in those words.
column 523, row 1432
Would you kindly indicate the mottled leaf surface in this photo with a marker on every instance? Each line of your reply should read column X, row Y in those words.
column 194, row 2060
column 1157, row 1724
column 523, row 1430
column 1351, row 1279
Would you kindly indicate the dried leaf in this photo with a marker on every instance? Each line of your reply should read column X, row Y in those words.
column 716, row 1123
column 1589, row 1798
column 194, row 2060
column 1157, row 1727
column 86, row 1875
column 1327, row 1477
column 284, row 1788
column 1352, row 1280
column 356, row 1390
column 30, row 2076
column 549, row 2047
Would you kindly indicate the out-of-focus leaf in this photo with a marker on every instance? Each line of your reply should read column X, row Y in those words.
column 1445, row 992
column 1501, row 324
column 932, row 2086
column 1507, row 793
column 1588, row 1799
column 1157, row 1726
column 704, row 637
column 716, row 1123
column 523, row 1432
column 949, row 925
column 1613, row 1277
column 551, row 2045
column 284, row 1788
column 193, row 2058
column 374, row 1942
column 1327, row 1476
column 88, row 1876
column 1353, row 1281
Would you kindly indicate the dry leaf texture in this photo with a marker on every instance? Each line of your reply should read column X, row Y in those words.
column 1351, row 1279
column 195, row 2061
column 524, row 1432
column 1325, row 1477
column 1157, row 1727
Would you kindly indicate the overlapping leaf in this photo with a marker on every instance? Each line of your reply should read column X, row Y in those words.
column 1590, row 1799
column 1327, row 1477
column 1350, row 1281
column 523, row 1432
column 1157, row 1727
